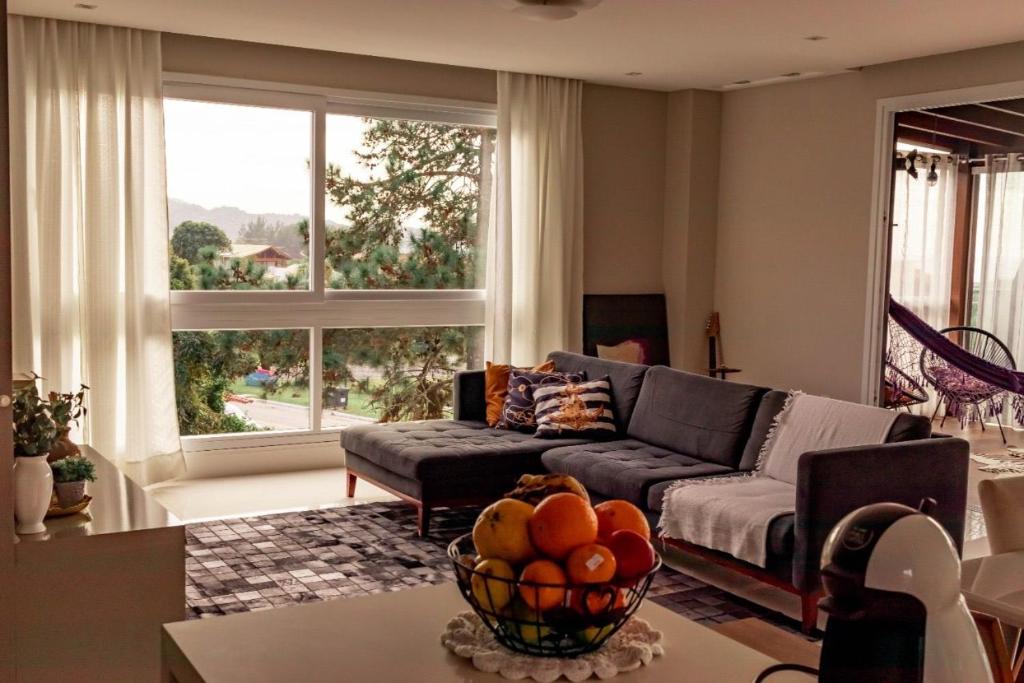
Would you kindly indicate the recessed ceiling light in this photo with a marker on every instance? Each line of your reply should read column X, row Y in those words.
column 85, row 5
column 548, row 10
column 815, row 39
column 634, row 73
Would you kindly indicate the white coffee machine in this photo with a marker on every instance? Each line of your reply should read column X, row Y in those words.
column 895, row 613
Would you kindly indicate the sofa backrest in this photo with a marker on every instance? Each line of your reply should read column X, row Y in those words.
column 695, row 415
column 625, row 379
column 906, row 427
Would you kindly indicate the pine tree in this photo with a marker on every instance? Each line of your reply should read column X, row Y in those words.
column 414, row 225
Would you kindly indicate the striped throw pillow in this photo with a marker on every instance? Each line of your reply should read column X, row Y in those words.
column 574, row 409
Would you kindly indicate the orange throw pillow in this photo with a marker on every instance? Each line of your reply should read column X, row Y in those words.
column 496, row 386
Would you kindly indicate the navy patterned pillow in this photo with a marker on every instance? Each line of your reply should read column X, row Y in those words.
column 574, row 409
column 517, row 412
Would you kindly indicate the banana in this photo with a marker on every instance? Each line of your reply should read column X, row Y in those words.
column 533, row 488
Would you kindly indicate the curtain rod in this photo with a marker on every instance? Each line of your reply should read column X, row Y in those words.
column 926, row 157
column 996, row 157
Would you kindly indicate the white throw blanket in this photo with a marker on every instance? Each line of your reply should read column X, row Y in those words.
column 733, row 514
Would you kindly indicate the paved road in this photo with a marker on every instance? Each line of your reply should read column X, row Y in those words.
column 288, row 416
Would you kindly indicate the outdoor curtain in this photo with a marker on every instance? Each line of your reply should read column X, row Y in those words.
column 999, row 253
column 535, row 235
column 923, row 224
column 924, row 220
column 89, row 232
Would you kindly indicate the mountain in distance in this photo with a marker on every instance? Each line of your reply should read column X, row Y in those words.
column 230, row 219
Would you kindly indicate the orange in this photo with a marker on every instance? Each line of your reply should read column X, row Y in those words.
column 613, row 515
column 590, row 563
column 542, row 598
column 594, row 602
column 561, row 522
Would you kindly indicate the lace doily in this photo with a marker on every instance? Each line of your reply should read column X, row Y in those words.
column 634, row 645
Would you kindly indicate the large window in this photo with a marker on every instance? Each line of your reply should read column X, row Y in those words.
column 389, row 198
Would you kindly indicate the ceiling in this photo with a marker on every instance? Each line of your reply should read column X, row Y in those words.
column 980, row 127
column 673, row 44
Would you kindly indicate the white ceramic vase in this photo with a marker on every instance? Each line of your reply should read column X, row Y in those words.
column 33, row 488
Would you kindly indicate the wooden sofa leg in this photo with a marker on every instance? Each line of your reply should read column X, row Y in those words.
column 809, row 612
column 352, row 479
column 422, row 520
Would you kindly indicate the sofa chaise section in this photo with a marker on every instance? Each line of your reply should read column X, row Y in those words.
column 458, row 462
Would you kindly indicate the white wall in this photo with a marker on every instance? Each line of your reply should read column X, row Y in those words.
column 693, row 130
column 794, row 210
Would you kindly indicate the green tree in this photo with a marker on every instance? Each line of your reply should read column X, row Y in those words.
column 413, row 225
column 182, row 275
column 189, row 239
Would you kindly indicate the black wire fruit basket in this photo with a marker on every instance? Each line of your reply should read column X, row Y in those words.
column 584, row 618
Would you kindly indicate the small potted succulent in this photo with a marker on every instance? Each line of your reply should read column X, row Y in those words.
column 66, row 409
column 69, row 476
column 35, row 432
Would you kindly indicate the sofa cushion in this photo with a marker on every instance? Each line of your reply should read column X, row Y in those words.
column 575, row 409
column 625, row 378
column 709, row 419
column 626, row 468
column 907, row 427
column 781, row 532
column 518, row 410
column 496, row 386
column 771, row 405
column 434, row 449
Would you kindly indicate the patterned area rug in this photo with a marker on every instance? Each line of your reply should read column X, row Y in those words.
column 1010, row 461
column 256, row 563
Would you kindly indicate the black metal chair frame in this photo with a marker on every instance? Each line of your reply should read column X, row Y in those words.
column 990, row 342
column 911, row 388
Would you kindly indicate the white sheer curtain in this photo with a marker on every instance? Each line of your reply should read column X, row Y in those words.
column 89, row 224
column 921, row 267
column 999, row 252
column 924, row 219
column 535, row 240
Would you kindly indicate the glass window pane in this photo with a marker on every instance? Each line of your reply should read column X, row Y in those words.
column 239, row 192
column 390, row 374
column 407, row 203
column 241, row 380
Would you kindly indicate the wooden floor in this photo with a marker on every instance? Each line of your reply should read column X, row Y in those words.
column 987, row 441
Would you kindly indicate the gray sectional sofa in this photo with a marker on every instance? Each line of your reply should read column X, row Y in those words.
column 673, row 425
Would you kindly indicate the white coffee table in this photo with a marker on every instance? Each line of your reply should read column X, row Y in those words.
column 395, row 637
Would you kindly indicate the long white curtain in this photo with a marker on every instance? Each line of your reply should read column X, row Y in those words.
column 999, row 252
column 921, row 268
column 89, row 224
column 535, row 238
column 924, row 220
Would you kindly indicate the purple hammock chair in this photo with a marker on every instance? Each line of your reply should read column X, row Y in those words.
column 972, row 378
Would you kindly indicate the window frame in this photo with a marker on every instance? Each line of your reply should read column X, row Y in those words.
column 319, row 308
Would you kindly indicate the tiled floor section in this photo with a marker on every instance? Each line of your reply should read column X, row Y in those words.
column 255, row 563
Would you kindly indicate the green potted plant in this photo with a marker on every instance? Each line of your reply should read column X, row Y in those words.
column 35, row 432
column 69, row 476
column 66, row 409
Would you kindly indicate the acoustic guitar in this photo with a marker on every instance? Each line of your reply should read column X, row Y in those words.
column 716, row 359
